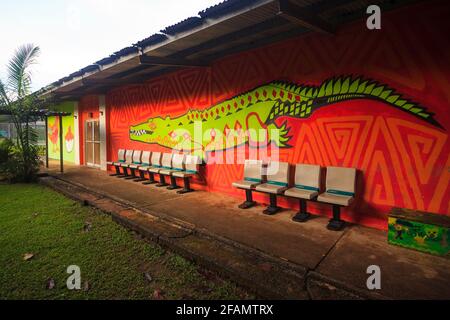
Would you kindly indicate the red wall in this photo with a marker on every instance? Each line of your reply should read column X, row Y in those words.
column 404, row 161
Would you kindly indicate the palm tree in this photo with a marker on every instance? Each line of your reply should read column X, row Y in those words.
column 17, row 101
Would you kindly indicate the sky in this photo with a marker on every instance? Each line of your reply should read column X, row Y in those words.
column 74, row 34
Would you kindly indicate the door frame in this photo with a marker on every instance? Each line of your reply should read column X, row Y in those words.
column 90, row 164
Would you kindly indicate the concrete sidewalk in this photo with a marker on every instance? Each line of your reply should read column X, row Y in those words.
column 326, row 264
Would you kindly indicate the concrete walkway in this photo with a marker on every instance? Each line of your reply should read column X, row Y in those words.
column 332, row 265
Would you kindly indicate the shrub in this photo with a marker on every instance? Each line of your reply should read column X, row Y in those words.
column 12, row 163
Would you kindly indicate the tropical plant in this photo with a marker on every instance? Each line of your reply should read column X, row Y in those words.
column 21, row 105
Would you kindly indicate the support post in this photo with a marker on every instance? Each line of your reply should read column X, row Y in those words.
column 141, row 176
column 46, row 141
column 187, row 186
column 173, row 183
column 162, row 181
column 248, row 203
column 302, row 215
column 132, row 174
column 151, row 178
column 336, row 223
column 61, row 145
column 272, row 208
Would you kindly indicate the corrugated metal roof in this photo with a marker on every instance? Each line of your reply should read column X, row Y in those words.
column 182, row 26
column 126, row 51
column 153, row 39
column 225, row 7
column 106, row 60
column 90, row 68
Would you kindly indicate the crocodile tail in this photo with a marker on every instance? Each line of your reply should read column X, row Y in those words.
column 348, row 88
column 343, row 88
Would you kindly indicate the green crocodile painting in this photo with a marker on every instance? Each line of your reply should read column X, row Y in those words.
column 241, row 119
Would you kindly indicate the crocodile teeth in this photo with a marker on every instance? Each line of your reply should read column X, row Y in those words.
column 138, row 132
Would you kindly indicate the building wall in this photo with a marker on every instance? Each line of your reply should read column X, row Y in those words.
column 68, row 134
column 403, row 159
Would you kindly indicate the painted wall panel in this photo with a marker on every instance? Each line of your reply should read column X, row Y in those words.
column 68, row 134
column 403, row 159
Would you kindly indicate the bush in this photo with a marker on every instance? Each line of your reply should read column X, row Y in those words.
column 6, row 146
column 12, row 163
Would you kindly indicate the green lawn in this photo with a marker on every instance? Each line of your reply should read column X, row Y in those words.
column 113, row 261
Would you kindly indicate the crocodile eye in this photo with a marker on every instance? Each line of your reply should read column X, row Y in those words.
column 152, row 126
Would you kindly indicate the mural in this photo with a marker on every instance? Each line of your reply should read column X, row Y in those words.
column 53, row 134
column 68, row 136
column 258, row 109
column 403, row 158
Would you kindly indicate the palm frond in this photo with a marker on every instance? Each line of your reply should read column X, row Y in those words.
column 19, row 74
column 4, row 99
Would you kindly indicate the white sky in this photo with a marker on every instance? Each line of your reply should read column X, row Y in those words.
column 74, row 34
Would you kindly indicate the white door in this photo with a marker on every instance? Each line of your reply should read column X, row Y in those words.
column 92, row 143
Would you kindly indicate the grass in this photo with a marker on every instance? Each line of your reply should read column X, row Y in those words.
column 113, row 261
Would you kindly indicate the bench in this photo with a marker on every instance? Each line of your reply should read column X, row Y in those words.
column 340, row 192
column 155, row 163
column 307, row 184
column 252, row 178
column 340, row 188
column 277, row 182
column 116, row 164
column 134, row 165
column 166, row 163
column 178, row 163
column 145, row 162
column 124, row 164
column 142, row 162
column 192, row 164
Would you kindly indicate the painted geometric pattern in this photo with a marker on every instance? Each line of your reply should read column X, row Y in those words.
column 404, row 161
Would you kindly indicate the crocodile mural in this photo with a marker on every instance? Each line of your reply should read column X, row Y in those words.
column 241, row 119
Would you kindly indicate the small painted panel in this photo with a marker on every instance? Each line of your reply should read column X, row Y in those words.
column 419, row 236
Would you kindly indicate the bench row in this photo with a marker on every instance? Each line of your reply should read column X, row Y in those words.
column 164, row 164
column 273, row 179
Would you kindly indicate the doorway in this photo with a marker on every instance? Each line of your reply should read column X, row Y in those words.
column 92, row 143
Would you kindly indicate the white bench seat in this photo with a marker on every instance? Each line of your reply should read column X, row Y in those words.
column 270, row 188
column 307, row 184
column 246, row 184
column 277, row 183
column 341, row 200
column 340, row 192
column 301, row 193
column 252, row 178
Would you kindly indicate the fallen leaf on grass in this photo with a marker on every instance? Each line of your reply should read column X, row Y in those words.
column 50, row 284
column 86, row 286
column 87, row 227
column 28, row 256
column 157, row 294
column 148, row 277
